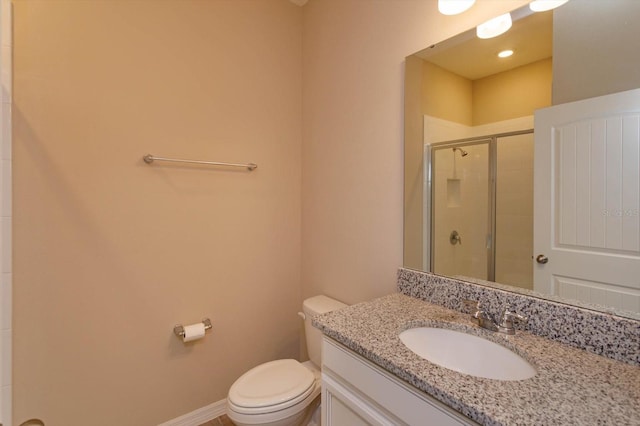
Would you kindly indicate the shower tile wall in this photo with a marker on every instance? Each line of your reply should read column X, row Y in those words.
column 5, row 212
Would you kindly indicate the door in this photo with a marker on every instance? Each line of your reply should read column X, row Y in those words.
column 586, row 200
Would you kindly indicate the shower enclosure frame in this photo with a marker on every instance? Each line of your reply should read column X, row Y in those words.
column 429, row 163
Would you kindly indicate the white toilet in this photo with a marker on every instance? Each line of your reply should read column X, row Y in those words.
column 283, row 392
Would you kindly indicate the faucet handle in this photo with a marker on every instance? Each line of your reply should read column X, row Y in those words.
column 477, row 313
column 509, row 314
column 508, row 317
column 482, row 317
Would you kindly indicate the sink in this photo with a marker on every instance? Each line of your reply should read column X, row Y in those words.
column 466, row 353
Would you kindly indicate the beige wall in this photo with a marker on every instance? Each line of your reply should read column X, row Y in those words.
column 498, row 97
column 446, row 95
column 109, row 252
column 595, row 44
column 353, row 56
column 511, row 94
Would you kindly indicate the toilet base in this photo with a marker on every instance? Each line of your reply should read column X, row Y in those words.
column 314, row 415
column 310, row 416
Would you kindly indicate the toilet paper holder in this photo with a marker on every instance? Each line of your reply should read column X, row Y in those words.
column 179, row 328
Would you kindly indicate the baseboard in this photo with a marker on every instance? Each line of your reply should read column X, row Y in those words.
column 199, row 416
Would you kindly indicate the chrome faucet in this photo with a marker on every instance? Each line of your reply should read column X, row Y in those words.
column 487, row 321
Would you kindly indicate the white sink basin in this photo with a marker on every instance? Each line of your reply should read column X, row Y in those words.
column 466, row 353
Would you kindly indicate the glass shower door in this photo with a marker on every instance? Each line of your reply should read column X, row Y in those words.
column 514, row 210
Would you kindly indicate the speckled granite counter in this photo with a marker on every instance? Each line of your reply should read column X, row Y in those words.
column 571, row 387
column 602, row 333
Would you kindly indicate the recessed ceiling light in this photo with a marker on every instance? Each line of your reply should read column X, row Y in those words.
column 544, row 5
column 505, row 53
column 453, row 7
column 494, row 27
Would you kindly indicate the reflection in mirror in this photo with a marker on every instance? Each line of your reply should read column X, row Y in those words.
column 469, row 136
column 482, row 190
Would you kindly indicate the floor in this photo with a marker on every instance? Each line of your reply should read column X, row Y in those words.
column 220, row 421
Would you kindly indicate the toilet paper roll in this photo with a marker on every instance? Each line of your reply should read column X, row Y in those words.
column 193, row 332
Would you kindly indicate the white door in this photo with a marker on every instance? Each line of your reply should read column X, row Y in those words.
column 587, row 200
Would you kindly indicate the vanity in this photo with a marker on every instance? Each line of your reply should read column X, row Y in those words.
column 358, row 392
column 586, row 372
column 580, row 295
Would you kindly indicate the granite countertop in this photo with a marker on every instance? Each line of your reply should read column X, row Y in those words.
column 571, row 387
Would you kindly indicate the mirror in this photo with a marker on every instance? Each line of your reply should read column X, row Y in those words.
column 469, row 116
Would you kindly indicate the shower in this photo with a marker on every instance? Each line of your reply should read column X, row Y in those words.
column 485, row 201
column 462, row 151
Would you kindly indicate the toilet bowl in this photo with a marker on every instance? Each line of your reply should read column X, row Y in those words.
column 277, row 393
column 284, row 392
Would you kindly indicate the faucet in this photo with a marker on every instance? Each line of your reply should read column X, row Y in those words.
column 488, row 321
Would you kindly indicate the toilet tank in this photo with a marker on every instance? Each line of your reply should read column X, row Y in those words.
column 311, row 307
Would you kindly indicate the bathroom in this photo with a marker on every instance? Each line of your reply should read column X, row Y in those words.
column 109, row 253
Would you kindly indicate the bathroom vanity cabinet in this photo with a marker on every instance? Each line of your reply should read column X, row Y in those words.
column 372, row 377
column 356, row 392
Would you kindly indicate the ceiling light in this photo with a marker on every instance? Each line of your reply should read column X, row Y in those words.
column 505, row 53
column 544, row 5
column 494, row 27
column 453, row 7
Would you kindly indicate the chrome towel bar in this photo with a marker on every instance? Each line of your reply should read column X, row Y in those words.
column 151, row 158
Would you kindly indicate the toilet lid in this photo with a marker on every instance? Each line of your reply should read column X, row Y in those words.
column 272, row 383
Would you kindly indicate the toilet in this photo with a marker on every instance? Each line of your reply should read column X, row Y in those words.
column 284, row 392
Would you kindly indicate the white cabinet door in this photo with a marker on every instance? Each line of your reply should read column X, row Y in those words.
column 338, row 412
column 342, row 406
column 587, row 200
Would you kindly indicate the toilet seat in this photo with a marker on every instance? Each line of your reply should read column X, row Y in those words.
column 270, row 387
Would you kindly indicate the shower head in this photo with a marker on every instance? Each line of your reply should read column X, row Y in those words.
column 462, row 151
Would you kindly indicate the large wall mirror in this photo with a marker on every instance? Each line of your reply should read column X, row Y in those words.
column 469, row 139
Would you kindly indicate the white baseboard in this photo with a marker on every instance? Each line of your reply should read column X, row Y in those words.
column 199, row 416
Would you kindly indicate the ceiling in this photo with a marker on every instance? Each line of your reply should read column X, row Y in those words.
column 531, row 38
